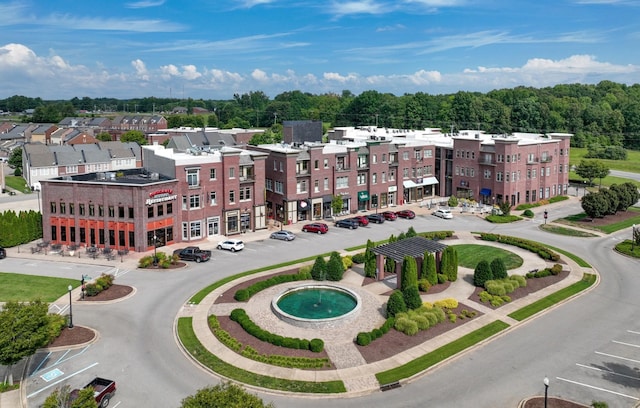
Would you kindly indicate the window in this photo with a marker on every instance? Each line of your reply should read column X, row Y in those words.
column 81, row 209
column 184, row 202
column 405, row 155
column 54, row 232
column 506, row 177
column 531, row 158
column 548, row 171
column 150, row 213
column 72, row 208
column 279, row 187
column 427, row 170
column 232, row 172
column 53, row 207
column 232, row 196
column 194, row 201
column 268, row 184
column 192, row 177
column 212, row 198
column 374, row 178
column 169, row 211
column 112, row 211
column 196, row 229
column 429, row 153
column 405, row 172
column 418, row 155
column 275, row 165
column 71, row 169
column 301, row 186
column 316, row 186
column 245, row 193
column 528, row 173
column 384, row 177
column 487, row 174
column 342, row 182
column 63, row 208
column 499, row 176
column 212, row 174
column 120, row 212
column 160, row 210
column 131, row 212
column 362, row 179
column 374, row 158
column 508, row 158
column 281, row 167
column 533, row 173
column 326, row 163
column 457, row 170
column 92, row 210
column 500, row 158
column 392, row 175
column 384, row 157
column 513, row 176
column 326, row 183
column 316, row 164
column 100, row 210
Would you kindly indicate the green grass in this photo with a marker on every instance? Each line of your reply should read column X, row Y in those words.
column 470, row 254
column 629, row 248
column 502, row 219
column 581, row 262
column 632, row 164
column 607, row 229
column 555, row 229
column 554, row 298
column 27, row 288
column 16, row 183
column 440, row 354
column 192, row 345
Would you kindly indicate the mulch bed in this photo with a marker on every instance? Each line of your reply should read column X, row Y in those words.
column 588, row 222
column 80, row 335
column 533, row 285
column 552, row 402
column 228, row 296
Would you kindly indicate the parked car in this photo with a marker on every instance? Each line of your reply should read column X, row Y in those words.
column 406, row 214
column 232, row 245
column 348, row 223
column 376, row 218
column 103, row 391
column 193, row 253
column 389, row 215
column 283, row 235
column 317, row 227
column 362, row 220
column 3, row 253
column 442, row 213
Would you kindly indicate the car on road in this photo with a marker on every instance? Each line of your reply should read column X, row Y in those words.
column 389, row 215
column 362, row 220
column 192, row 253
column 317, row 227
column 442, row 213
column 283, row 235
column 232, row 245
column 376, row 218
column 408, row 214
column 348, row 223
column 3, row 253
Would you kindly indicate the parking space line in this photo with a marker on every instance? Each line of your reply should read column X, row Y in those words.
column 633, row 332
column 618, row 357
column 62, row 357
column 33, row 394
column 626, row 344
column 597, row 388
column 44, row 360
column 607, row 371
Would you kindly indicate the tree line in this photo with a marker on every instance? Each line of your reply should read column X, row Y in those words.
column 606, row 113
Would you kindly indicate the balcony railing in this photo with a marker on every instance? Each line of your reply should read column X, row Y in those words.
column 546, row 159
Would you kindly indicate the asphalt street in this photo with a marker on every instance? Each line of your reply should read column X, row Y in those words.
column 138, row 349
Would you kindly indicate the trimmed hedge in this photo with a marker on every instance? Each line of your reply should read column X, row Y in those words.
column 105, row 281
column 242, row 295
column 542, row 251
column 240, row 316
column 365, row 338
column 436, row 235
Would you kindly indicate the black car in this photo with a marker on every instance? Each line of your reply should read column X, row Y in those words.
column 3, row 253
column 376, row 218
column 348, row 223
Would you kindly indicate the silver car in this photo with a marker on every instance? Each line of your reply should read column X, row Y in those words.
column 283, row 235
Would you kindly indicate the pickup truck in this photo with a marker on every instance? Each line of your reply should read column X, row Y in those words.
column 193, row 253
column 103, row 390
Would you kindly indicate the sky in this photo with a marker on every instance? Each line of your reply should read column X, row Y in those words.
column 213, row 49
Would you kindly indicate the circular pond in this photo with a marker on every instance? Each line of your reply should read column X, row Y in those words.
column 314, row 305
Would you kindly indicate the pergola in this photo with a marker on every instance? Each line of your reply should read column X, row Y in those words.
column 414, row 247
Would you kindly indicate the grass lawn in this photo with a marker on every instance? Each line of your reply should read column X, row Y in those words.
column 16, row 183
column 632, row 164
column 470, row 254
column 632, row 218
column 555, row 229
column 26, row 288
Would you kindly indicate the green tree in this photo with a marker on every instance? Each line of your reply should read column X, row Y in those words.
column 336, row 204
column 369, row 260
column 134, row 136
column 595, row 205
column 335, row 267
column 624, row 196
column 411, row 233
column 104, row 137
column 24, row 328
column 389, row 263
column 319, row 269
column 226, row 395
column 612, row 200
column 409, row 275
column 60, row 397
column 396, row 304
column 429, row 271
column 412, row 297
column 449, row 264
column 482, row 273
column 591, row 169
column 15, row 159
column 498, row 270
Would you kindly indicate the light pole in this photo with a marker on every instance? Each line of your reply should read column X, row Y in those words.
column 155, row 250
column 546, row 389
column 70, row 309
column 546, row 214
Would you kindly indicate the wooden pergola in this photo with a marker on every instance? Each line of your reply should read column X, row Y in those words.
column 414, row 247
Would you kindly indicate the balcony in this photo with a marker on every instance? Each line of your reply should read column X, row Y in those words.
column 486, row 162
column 247, row 179
column 546, row 159
column 340, row 168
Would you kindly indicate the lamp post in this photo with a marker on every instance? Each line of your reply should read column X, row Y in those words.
column 155, row 249
column 546, row 214
column 70, row 309
column 546, row 389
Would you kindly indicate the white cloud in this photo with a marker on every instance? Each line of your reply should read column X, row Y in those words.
column 190, row 72
column 141, row 69
column 334, row 76
column 144, row 4
column 358, row 7
column 259, row 75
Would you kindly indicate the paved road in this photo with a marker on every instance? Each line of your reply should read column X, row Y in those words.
column 137, row 346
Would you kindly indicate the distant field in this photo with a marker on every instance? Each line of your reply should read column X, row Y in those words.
column 632, row 163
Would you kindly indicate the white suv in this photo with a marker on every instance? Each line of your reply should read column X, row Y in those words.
column 232, row 245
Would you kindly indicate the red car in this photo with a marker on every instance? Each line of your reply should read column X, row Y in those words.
column 389, row 215
column 406, row 214
column 317, row 227
column 362, row 220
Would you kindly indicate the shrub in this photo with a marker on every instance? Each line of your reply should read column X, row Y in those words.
column 453, row 201
column 482, row 273
column 335, row 268
column 498, row 270
column 358, row 258
column 424, row 285
column 242, row 295
column 528, row 213
column 406, row 326
column 363, row 339
column 91, row 289
column 429, row 268
column 495, row 288
column 396, row 304
column 448, row 303
column 319, row 269
column 347, row 262
column 411, row 297
column 305, row 272
column 452, row 317
column 442, row 278
column 316, row 345
column 556, row 269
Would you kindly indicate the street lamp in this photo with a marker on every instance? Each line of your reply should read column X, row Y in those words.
column 70, row 309
column 546, row 389
column 155, row 250
column 546, row 214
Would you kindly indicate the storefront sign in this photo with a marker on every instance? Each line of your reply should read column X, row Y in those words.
column 363, row 195
column 160, row 196
column 392, row 189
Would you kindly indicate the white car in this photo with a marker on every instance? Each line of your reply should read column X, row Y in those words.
column 446, row 214
column 232, row 245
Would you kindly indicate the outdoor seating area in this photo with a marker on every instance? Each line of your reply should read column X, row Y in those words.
column 93, row 252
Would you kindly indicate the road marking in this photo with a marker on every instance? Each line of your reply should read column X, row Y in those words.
column 626, row 344
column 607, row 371
column 618, row 357
column 597, row 388
column 633, row 332
column 50, row 375
column 33, row 394
column 44, row 360
column 62, row 357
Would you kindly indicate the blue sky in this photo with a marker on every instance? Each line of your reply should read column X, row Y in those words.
column 212, row 49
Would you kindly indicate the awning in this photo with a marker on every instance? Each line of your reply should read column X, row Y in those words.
column 363, row 195
column 426, row 181
column 327, row 198
column 485, row 192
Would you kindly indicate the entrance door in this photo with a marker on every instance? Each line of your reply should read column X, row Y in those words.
column 213, row 226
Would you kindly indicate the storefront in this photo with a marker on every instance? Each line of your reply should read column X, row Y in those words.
column 363, row 199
